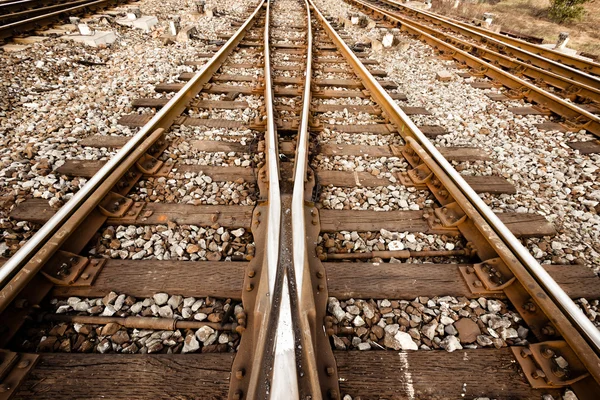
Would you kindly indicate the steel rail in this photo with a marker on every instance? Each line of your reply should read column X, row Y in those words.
column 41, row 10
column 573, row 61
column 8, row 30
column 526, row 52
column 30, row 258
column 301, row 171
column 12, row 6
column 570, row 88
column 284, row 380
column 571, row 112
column 302, row 276
column 574, row 327
column 10, row 3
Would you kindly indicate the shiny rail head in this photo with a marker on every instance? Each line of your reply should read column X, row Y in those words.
column 576, row 64
column 495, row 227
column 162, row 120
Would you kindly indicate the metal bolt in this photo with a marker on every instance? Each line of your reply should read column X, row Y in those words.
column 314, row 222
column 333, row 394
column 238, row 395
column 559, row 372
column 477, row 284
column 548, row 330
column 525, row 352
column 251, row 273
column 330, row 371
column 21, row 304
column 529, row 307
column 320, row 274
column 320, row 287
column 131, row 213
column 250, row 287
column 240, row 373
column 85, row 276
column 23, row 364
column 547, row 352
column 538, row 373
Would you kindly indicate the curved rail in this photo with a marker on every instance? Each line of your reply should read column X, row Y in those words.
column 25, row 25
column 284, row 381
column 30, row 258
column 524, row 50
column 36, row 11
column 570, row 87
column 576, row 329
column 571, row 112
column 305, row 300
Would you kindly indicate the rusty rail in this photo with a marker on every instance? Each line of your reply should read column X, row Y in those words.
column 39, row 21
column 573, row 114
column 29, row 259
column 266, row 361
column 320, row 380
column 152, row 323
column 547, row 58
column 15, row 16
column 571, row 86
column 493, row 241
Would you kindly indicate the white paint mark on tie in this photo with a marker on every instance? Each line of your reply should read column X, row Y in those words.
column 407, row 381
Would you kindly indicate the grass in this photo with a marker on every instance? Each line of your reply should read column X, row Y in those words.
column 530, row 17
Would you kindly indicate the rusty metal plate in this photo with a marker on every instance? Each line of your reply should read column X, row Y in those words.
column 550, row 364
column 14, row 367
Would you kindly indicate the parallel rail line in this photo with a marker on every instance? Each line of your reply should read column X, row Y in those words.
column 50, row 15
column 525, row 51
column 572, row 113
column 286, row 328
column 580, row 88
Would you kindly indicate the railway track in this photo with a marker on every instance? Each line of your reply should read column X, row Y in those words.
column 547, row 83
column 20, row 17
column 572, row 61
column 275, row 215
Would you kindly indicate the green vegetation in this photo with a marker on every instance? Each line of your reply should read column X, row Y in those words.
column 562, row 11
